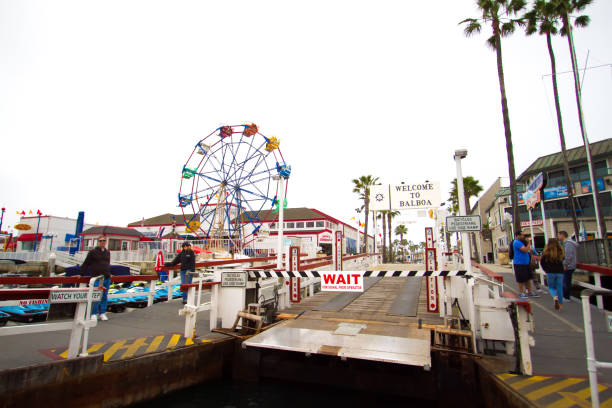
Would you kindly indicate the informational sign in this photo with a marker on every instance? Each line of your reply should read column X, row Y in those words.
column 586, row 185
column 338, row 281
column 339, row 249
column 409, row 196
column 534, row 223
column 463, row 223
column 555, row 192
column 233, row 279
column 432, row 294
column 429, row 237
column 73, row 296
column 325, row 237
column 294, row 283
column 22, row 227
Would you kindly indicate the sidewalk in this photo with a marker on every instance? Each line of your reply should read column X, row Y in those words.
column 136, row 331
column 560, row 347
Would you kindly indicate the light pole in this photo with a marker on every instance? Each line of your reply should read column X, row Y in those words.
column 465, row 240
column 465, row 243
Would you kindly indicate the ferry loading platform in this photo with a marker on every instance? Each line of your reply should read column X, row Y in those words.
column 388, row 322
column 361, row 321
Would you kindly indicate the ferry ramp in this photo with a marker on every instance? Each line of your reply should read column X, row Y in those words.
column 388, row 322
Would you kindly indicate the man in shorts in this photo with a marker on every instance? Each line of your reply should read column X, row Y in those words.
column 521, row 264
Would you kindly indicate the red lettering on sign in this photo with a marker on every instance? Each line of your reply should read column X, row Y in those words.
column 342, row 280
column 329, row 279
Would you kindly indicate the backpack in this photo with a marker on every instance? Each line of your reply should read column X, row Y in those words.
column 511, row 250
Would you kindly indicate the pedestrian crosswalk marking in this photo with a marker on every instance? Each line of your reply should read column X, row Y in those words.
column 556, row 392
column 549, row 389
column 154, row 344
column 528, row 381
column 129, row 348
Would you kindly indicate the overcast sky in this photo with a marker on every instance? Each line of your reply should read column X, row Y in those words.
column 101, row 102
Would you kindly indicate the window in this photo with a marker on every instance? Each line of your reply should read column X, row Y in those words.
column 134, row 245
column 289, row 225
column 125, row 245
column 114, row 245
column 87, row 244
column 299, row 225
column 273, row 225
column 310, row 224
column 320, row 224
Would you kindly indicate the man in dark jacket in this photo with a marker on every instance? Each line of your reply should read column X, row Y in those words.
column 187, row 260
column 569, row 263
column 98, row 262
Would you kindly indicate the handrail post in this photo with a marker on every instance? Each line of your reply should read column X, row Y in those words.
column 151, row 293
column 169, row 283
column 92, row 283
column 590, row 348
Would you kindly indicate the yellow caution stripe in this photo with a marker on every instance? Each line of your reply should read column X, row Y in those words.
column 129, row 348
column 556, row 392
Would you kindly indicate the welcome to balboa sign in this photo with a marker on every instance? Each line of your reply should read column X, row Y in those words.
column 409, row 196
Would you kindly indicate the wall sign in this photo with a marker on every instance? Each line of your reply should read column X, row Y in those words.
column 233, row 279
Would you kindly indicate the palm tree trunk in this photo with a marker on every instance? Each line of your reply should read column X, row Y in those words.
column 508, row 133
column 472, row 235
column 384, row 220
column 365, row 229
column 566, row 172
column 390, row 242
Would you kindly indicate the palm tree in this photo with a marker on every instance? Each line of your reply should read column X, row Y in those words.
column 390, row 216
column 564, row 8
column 362, row 186
column 471, row 188
column 401, row 230
column 498, row 14
column 543, row 18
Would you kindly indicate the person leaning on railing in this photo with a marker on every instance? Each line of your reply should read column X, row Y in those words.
column 187, row 260
column 98, row 262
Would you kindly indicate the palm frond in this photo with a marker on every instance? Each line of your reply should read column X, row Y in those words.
column 472, row 28
column 516, row 6
column 507, row 28
column 492, row 42
column 582, row 21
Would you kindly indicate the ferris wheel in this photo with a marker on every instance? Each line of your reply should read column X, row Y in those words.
column 230, row 182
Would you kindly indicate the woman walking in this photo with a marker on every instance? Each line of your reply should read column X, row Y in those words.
column 552, row 263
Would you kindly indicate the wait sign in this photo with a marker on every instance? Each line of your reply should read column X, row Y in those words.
column 463, row 223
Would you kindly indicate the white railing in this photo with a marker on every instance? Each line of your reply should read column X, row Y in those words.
column 592, row 363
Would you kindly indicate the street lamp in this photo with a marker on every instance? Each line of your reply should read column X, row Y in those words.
column 465, row 241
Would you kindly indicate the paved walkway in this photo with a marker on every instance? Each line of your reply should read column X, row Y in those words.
column 559, row 356
column 124, row 335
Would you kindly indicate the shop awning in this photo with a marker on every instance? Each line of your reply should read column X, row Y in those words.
column 29, row 237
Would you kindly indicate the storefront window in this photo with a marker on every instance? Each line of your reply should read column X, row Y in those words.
column 114, row 245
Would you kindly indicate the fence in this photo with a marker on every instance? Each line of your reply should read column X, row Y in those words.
column 592, row 252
